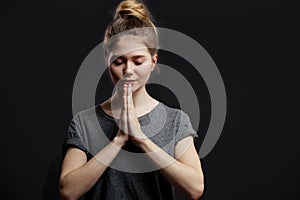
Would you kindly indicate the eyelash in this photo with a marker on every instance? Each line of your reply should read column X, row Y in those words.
column 138, row 63
column 117, row 63
column 120, row 63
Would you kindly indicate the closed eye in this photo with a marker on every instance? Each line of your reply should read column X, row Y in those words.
column 118, row 62
column 138, row 63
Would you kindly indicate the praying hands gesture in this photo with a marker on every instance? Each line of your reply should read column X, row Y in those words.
column 129, row 126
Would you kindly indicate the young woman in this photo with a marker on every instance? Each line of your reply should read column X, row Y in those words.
column 125, row 119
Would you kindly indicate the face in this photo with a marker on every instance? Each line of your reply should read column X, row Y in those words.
column 131, row 62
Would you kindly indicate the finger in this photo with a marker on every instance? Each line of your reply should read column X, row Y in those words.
column 123, row 115
column 131, row 110
column 126, row 108
column 129, row 90
column 130, row 99
column 126, row 98
column 130, row 102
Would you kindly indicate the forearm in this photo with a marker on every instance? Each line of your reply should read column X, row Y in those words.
column 179, row 174
column 77, row 182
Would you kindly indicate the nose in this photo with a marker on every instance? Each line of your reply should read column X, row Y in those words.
column 128, row 68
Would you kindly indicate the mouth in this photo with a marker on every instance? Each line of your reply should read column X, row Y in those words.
column 127, row 81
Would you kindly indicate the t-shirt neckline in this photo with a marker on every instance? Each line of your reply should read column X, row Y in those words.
column 99, row 108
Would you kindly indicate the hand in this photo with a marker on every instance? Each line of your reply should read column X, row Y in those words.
column 122, row 135
column 129, row 123
column 134, row 127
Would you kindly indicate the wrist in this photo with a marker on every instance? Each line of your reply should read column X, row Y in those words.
column 119, row 141
column 140, row 141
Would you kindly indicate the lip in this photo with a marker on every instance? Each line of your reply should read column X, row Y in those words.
column 127, row 81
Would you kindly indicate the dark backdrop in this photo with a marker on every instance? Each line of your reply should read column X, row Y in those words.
column 255, row 45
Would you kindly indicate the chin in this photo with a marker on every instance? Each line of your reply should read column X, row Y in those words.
column 137, row 87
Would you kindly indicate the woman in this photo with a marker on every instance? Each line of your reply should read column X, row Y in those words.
column 125, row 119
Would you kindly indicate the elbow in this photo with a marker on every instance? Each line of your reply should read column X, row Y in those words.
column 65, row 193
column 197, row 191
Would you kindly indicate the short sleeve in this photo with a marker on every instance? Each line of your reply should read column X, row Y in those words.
column 73, row 138
column 185, row 127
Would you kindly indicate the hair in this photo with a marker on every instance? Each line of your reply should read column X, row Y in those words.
column 133, row 18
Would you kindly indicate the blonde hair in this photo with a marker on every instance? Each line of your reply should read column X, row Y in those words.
column 130, row 16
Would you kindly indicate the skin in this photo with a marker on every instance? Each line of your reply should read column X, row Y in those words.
column 130, row 101
column 136, row 63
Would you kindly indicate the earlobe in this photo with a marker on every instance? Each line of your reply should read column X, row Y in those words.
column 153, row 66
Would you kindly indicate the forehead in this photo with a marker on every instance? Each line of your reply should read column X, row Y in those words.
column 128, row 45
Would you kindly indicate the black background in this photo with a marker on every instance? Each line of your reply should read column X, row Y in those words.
column 255, row 45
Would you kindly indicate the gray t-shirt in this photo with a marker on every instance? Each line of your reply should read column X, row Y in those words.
column 130, row 176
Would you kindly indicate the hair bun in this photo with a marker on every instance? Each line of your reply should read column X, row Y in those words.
column 132, row 8
column 131, row 15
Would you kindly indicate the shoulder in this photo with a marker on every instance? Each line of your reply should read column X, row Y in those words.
column 85, row 115
column 179, row 118
column 174, row 113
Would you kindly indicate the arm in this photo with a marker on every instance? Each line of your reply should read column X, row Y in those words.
column 76, row 169
column 184, row 171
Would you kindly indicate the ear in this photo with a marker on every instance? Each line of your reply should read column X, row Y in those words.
column 154, row 60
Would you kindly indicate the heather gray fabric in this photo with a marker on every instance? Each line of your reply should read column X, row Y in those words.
column 83, row 133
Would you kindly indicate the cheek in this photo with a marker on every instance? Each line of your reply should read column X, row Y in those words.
column 144, row 74
column 114, row 75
